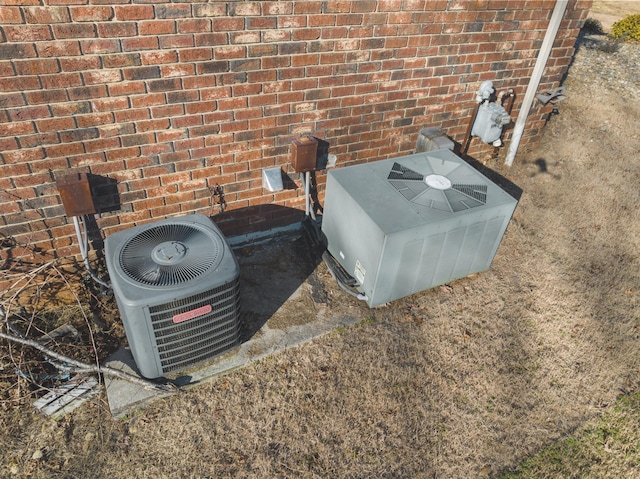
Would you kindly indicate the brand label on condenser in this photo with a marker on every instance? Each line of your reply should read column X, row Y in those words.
column 359, row 272
column 194, row 313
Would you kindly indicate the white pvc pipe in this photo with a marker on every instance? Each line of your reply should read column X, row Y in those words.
column 306, row 193
column 82, row 239
column 538, row 69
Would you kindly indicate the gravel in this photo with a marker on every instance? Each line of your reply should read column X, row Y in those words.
column 599, row 59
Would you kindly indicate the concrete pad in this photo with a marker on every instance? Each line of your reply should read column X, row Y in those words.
column 283, row 304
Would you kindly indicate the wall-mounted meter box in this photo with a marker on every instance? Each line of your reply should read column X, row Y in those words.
column 490, row 120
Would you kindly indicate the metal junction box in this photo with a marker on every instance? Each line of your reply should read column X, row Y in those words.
column 407, row 224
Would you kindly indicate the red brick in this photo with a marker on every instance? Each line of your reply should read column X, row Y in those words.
column 101, row 76
column 167, row 111
column 151, row 125
column 147, row 204
column 195, row 54
column 29, row 113
column 182, row 96
column 100, row 46
column 32, row 180
column 137, row 44
column 156, row 27
column 137, row 140
column 175, row 178
column 99, row 167
column 229, row 52
column 16, row 128
column 306, row 34
column 127, row 88
column 134, row 12
column 64, row 150
column 80, row 63
column 91, row 14
column 147, row 100
column 61, row 80
column 261, row 76
column 11, row 100
column 173, row 11
column 40, row 139
column 7, row 144
column 46, row 15
column 198, row 25
column 94, row 119
column 121, row 60
column 134, row 218
column 227, row 24
column 37, row 67
column 210, row 39
column 10, row 15
column 23, row 155
column 27, row 33
column 74, row 30
column 245, row 37
column 246, row 9
column 261, row 23
column 88, row 92
column 165, row 211
column 117, row 29
column 58, row 48
column 176, row 41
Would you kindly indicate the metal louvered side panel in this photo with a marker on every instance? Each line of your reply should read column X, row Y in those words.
column 206, row 335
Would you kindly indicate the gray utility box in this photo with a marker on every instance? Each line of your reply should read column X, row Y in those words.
column 407, row 224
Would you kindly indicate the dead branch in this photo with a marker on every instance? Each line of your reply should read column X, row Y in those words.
column 85, row 367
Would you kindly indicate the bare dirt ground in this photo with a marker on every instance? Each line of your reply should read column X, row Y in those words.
column 465, row 380
column 608, row 12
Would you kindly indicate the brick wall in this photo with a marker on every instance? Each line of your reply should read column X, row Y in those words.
column 161, row 101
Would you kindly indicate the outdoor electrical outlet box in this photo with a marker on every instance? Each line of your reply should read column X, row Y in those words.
column 272, row 179
column 303, row 154
column 76, row 194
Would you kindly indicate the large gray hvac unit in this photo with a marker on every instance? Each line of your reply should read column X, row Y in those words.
column 176, row 283
column 404, row 225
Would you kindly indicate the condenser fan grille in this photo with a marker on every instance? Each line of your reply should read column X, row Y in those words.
column 170, row 254
column 441, row 188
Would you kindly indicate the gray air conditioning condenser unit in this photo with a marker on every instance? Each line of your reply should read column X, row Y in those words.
column 176, row 283
column 407, row 224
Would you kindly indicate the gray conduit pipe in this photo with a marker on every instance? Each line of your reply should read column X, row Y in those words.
column 83, row 241
column 538, row 69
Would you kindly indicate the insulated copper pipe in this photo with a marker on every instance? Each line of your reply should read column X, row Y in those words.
column 511, row 96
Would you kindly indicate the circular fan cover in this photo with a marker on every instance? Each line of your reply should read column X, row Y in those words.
column 170, row 254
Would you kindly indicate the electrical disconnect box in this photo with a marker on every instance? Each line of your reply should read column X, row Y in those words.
column 75, row 193
column 304, row 154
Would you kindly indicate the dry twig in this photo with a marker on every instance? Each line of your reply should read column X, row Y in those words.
column 79, row 366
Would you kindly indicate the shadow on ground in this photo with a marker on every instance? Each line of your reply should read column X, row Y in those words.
column 286, row 293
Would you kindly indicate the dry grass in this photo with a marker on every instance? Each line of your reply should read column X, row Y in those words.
column 465, row 380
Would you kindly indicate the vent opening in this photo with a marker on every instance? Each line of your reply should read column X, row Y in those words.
column 438, row 189
column 170, row 254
